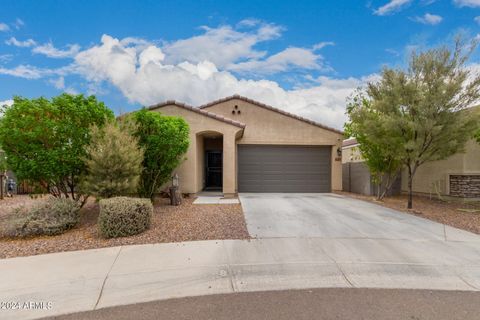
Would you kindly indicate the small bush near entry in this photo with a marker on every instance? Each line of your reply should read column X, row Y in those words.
column 51, row 217
column 123, row 216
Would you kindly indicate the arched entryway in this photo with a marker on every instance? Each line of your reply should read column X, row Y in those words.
column 210, row 160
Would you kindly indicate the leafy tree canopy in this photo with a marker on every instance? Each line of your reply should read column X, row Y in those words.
column 418, row 114
column 477, row 134
column 165, row 141
column 382, row 160
column 45, row 140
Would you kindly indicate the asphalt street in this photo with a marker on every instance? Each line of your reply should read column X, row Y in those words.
column 339, row 303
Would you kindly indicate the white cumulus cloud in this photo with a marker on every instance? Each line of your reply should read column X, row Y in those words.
column 144, row 77
column 222, row 46
column 467, row 3
column 322, row 45
column 5, row 57
column 428, row 18
column 18, row 23
column 17, row 43
column 24, row 71
column 289, row 58
column 4, row 27
column 391, row 7
column 249, row 22
column 58, row 83
column 50, row 51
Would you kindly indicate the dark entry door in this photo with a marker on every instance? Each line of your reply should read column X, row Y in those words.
column 214, row 166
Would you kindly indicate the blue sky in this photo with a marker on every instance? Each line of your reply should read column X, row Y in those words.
column 303, row 56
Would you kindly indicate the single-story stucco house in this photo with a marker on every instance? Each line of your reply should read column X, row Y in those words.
column 241, row 145
column 456, row 176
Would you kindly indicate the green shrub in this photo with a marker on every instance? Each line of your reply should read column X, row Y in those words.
column 114, row 163
column 50, row 217
column 123, row 216
column 165, row 141
column 44, row 140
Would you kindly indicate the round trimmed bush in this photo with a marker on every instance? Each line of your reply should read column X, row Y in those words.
column 51, row 217
column 123, row 216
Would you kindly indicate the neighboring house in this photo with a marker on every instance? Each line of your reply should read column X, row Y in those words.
column 457, row 176
column 241, row 145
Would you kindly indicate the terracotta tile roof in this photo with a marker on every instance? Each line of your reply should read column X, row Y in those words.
column 197, row 110
column 349, row 142
column 236, row 96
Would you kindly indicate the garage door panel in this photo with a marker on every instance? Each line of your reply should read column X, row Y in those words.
column 268, row 168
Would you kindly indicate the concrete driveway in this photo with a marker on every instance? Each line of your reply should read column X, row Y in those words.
column 281, row 215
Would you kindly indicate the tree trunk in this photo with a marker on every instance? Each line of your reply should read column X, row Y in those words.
column 410, row 186
column 379, row 186
column 388, row 185
column 1, row 186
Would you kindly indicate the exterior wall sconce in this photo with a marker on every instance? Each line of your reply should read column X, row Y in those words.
column 339, row 152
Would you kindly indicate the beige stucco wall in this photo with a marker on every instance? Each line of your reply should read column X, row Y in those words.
column 434, row 176
column 265, row 126
column 351, row 154
column 200, row 172
column 191, row 170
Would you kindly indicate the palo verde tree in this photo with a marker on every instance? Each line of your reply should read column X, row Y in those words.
column 44, row 140
column 114, row 162
column 165, row 141
column 421, row 111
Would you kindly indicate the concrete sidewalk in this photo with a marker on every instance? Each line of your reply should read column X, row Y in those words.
column 92, row 279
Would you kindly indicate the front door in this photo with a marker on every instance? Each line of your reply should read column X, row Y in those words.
column 214, row 166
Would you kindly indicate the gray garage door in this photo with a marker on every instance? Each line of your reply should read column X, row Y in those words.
column 268, row 168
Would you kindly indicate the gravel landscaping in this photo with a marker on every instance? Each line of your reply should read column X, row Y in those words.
column 187, row 222
column 456, row 213
column 8, row 204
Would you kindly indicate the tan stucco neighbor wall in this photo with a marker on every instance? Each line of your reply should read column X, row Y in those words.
column 191, row 170
column 264, row 126
column 351, row 154
column 433, row 177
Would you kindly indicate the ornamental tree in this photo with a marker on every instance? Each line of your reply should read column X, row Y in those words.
column 3, row 162
column 44, row 140
column 382, row 160
column 165, row 141
column 114, row 162
column 422, row 111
